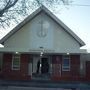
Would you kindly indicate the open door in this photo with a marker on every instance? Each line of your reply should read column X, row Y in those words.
column 41, row 68
column 44, row 66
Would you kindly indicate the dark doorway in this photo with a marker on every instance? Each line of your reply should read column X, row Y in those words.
column 42, row 71
column 44, row 66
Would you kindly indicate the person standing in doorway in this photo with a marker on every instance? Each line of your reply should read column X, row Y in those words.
column 38, row 66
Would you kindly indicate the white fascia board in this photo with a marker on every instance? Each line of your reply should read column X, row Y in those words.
column 27, row 50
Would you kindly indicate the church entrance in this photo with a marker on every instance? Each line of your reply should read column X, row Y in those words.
column 44, row 66
column 41, row 68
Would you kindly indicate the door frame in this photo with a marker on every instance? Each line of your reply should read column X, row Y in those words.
column 35, row 60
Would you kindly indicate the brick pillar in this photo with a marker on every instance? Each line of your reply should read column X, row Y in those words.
column 7, row 65
column 56, row 67
column 75, row 67
column 24, row 66
column 87, row 71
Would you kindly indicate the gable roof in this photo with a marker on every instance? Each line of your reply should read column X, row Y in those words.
column 48, row 12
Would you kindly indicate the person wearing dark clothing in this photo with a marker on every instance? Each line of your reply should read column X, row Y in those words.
column 38, row 66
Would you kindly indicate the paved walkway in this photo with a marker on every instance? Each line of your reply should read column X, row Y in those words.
column 31, row 88
column 42, row 85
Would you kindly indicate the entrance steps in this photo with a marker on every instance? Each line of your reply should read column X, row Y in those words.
column 42, row 77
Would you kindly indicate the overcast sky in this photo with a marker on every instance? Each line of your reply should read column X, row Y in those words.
column 76, row 17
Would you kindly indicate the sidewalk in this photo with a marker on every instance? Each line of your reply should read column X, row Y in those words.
column 45, row 84
column 32, row 88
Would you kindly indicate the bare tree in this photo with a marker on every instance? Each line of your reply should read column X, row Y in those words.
column 5, row 5
column 12, row 11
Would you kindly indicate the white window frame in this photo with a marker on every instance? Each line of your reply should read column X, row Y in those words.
column 15, row 67
column 67, row 67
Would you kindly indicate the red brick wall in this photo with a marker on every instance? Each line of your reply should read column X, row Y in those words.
column 24, row 65
column 56, row 67
column 75, row 67
column 7, row 62
column 57, row 73
column 87, row 71
column 21, row 74
column 73, row 74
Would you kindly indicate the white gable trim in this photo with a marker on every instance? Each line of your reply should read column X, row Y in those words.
column 43, row 8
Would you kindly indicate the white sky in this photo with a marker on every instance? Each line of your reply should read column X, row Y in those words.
column 75, row 17
column 78, row 19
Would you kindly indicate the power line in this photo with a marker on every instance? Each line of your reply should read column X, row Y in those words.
column 82, row 5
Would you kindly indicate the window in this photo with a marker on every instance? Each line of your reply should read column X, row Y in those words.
column 16, row 62
column 66, row 63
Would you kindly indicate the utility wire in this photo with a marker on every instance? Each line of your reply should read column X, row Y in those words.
column 82, row 5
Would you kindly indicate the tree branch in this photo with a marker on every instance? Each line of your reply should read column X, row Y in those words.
column 9, row 4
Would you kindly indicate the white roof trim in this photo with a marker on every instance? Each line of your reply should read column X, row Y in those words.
column 48, row 12
column 28, row 50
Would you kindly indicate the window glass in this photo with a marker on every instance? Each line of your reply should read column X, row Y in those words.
column 16, row 62
column 66, row 63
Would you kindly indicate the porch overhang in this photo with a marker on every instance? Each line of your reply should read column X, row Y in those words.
column 47, row 51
